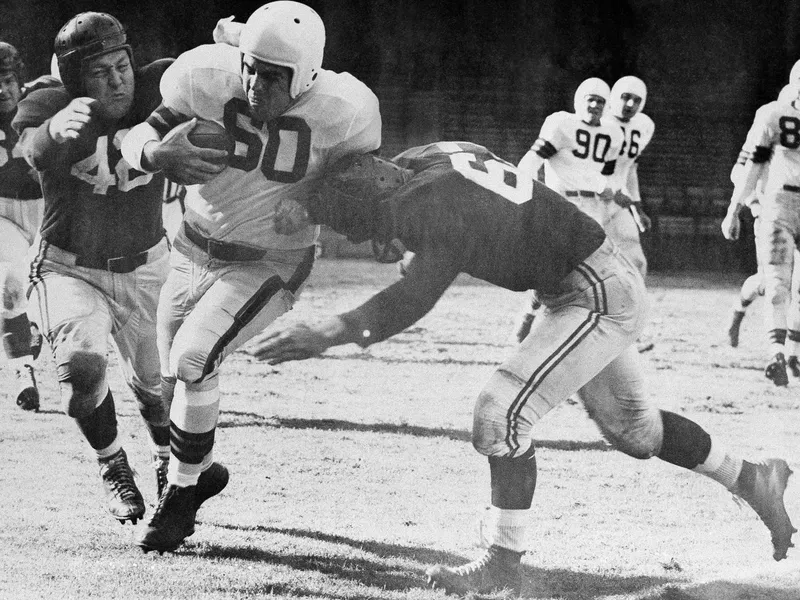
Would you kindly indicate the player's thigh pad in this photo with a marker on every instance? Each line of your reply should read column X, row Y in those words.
column 777, row 249
column 576, row 336
column 622, row 230
column 243, row 299
column 134, row 329
column 616, row 400
column 76, row 319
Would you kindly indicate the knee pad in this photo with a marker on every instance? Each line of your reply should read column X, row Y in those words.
column 492, row 433
column 633, row 444
column 190, row 364
column 83, row 382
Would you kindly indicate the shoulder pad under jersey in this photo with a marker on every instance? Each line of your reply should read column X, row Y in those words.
column 38, row 106
column 202, row 80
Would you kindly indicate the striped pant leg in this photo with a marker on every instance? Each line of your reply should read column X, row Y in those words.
column 616, row 401
column 577, row 336
column 243, row 300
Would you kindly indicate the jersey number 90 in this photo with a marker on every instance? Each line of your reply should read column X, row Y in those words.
column 586, row 146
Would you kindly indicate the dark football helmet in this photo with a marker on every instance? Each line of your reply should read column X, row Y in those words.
column 86, row 36
column 350, row 196
column 10, row 61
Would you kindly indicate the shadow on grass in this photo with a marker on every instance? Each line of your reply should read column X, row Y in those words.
column 409, row 572
column 233, row 419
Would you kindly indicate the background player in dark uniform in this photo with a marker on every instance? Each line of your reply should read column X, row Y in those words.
column 103, row 256
column 460, row 209
column 21, row 207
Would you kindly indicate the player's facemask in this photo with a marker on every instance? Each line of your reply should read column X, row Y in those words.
column 351, row 200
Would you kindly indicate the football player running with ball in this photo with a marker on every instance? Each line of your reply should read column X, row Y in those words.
column 771, row 152
column 461, row 209
column 21, row 208
column 102, row 257
column 240, row 258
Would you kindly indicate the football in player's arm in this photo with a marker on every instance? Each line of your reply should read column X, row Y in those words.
column 460, row 208
column 243, row 251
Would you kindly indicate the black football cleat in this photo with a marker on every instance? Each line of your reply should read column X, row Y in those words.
column 776, row 370
column 497, row 569
column 793, row 364
column 171, row 523
column 210, row 483
column 124, row 500
column 762, row 486
column 174, row 517
column 28, row 395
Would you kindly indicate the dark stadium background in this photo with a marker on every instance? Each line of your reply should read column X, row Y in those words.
column 491, row 71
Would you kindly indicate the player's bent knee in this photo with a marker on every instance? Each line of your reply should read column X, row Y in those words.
column 82, row 378
column 190, row 365
column 639, row 447
column 490, row 429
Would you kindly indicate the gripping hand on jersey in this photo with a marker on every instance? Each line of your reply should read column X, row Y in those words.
column 290, row 217
column 70, row 121
column 183, row 162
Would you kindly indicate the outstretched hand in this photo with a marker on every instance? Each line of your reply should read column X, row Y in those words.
column 293, row 342
column 183, row 162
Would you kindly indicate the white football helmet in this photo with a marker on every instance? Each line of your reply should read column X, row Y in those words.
column 789, row 93
column 627, row 85
column 794, row 75
column 288, row 34
column 593, row 86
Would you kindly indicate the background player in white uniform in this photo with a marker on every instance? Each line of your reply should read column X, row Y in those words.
column 461, row 209
column 21, row 208
column 578, row 151
column 232, row 275
column 773, row 143
column 628, row 96
column 753, row 286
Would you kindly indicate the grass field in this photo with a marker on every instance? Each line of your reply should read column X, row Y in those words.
column 352, row 473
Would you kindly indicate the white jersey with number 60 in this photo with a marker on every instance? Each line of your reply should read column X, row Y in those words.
column 275, row 160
